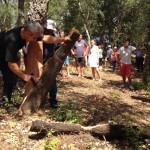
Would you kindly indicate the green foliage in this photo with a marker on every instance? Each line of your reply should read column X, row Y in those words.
column 67, row 112
column 18, row 93
column 8, row 15
column 148, row 87
column 138, row 85
column 51, row 143
column 115, row 96
column 132, row 135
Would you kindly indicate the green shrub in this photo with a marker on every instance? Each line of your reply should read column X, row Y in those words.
column 66, row 112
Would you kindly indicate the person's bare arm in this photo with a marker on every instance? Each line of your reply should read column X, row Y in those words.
column 72, row 51
column 51, row 39
column 15, row 68
column 86, row 51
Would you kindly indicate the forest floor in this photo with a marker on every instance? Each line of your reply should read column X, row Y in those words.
column 94, row 102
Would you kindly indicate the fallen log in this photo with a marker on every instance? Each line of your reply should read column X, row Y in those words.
column 107, row 130
column 51, row 68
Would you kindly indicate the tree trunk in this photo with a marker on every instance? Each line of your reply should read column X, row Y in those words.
column 51, row 68
column 147, row 61
column 38, row 10
column 20, row 12
column 107, row 130
column 86, row 18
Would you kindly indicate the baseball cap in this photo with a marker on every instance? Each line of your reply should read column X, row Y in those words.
column 109, row 46
column 50, row 24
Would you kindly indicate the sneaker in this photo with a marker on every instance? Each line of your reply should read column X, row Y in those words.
column 93, row 79
column 100, row 67
column 82, row 75
column 100, row 80
column 131, row 87
column 69, row 76
column 79, row 75
column 122, row 86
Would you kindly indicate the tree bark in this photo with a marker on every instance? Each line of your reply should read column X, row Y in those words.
column 51, row 68
column 38, row 10
column 20, row 12
column 107, row 130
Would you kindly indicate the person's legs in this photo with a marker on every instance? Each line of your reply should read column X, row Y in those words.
column 128, row 74
column 53, row 94
column 78, row 66
column 82, row 64
column 82, row 69
column 113, row 64
column 138, row 63
column 123, row 73
column 98, row 73
column 93, row 73
column 8, row 81
column 141, row 64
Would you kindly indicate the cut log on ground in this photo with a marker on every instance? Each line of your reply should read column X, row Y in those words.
column 51, row 68
column 107, row 130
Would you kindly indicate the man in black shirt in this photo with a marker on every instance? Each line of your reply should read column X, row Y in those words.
column 10, row 43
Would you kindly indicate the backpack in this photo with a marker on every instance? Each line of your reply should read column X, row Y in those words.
column 114, row 56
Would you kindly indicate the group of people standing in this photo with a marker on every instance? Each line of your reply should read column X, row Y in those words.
column 115, row 57
column 41, row 45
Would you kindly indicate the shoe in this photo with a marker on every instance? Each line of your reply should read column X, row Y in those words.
column 93, row 79
column 100, row 80
column 54, row 106
column 3, row 102
column 131, row 87
column 79, row 75
column 100, row 67
column 122, row 86
column 69, row 76
column 82, row 75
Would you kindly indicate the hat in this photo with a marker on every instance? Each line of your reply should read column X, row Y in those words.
column 115, row 47
column 50, row 24
column 109, row 46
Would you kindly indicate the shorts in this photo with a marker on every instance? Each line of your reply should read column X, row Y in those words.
column 66, row 61
column 125, row 70
column 80, row 60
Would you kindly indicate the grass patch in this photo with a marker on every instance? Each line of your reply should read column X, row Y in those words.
column 66, row 112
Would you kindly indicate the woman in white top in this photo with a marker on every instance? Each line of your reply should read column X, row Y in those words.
column 94, row 60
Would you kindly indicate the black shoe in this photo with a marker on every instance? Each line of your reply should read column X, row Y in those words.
column 3, row 103
column 54, row 106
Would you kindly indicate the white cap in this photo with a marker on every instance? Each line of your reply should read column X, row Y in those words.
column 109, row 46
column 50, row 24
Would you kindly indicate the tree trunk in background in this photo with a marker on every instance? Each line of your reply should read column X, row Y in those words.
column 85, row 17
column 20, row 12
column 147, row 62
column 51, row 68
column 38, row 10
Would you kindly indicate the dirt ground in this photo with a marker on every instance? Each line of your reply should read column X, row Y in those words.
column 97, row 103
